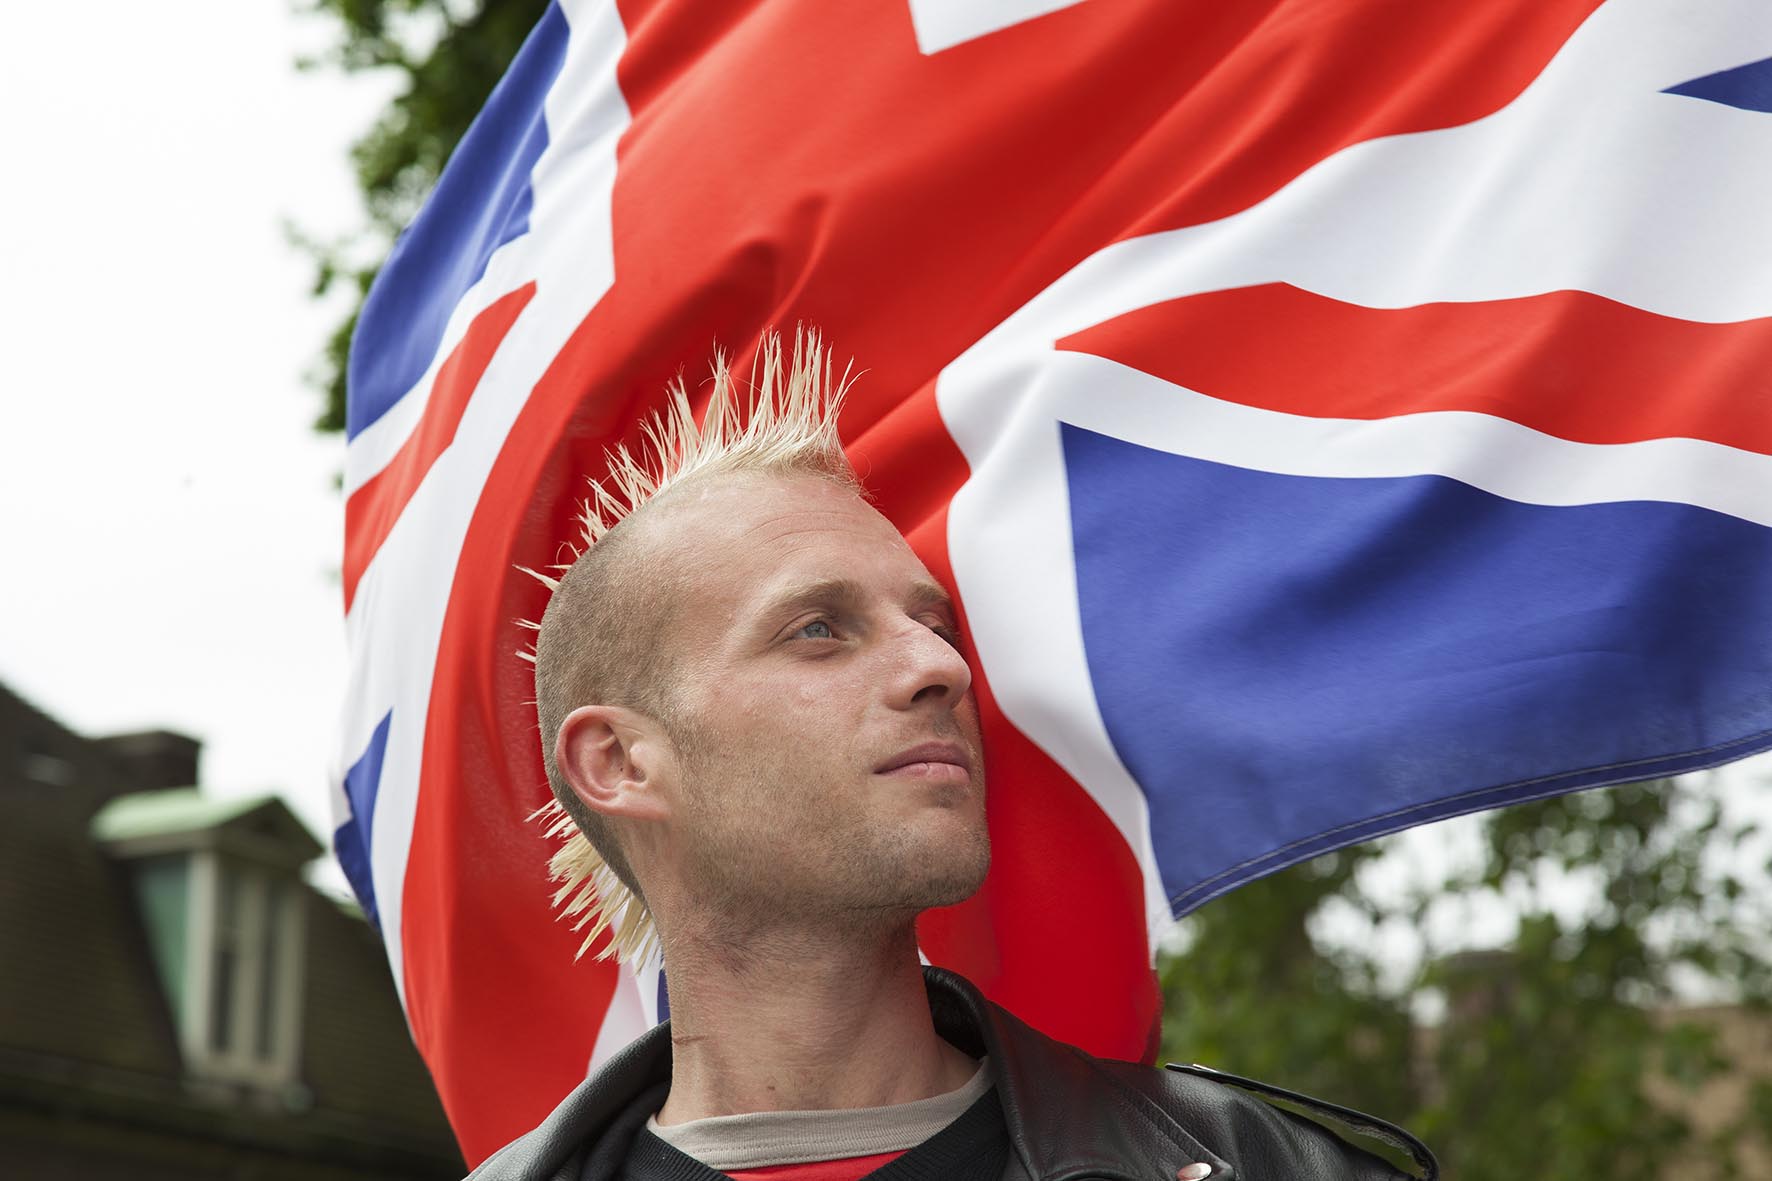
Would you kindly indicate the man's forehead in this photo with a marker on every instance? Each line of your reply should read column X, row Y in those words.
column 757, row 538
column 746, row 510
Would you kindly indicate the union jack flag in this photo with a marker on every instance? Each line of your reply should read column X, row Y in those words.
column 1333, row 415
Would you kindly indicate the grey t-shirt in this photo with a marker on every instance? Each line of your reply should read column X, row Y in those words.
column 760, row 1139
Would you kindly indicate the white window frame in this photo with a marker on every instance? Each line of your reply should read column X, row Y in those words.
column 241, row 1061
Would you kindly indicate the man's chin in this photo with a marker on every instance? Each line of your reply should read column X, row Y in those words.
column 940, row 900
column 953, row 888
column 909, row 885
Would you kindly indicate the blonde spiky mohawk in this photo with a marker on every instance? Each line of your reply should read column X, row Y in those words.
column 788, row 424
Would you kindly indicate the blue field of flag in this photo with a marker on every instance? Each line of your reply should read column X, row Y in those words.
column 1397, row 649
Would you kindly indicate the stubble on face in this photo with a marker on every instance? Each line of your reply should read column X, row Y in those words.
column 766, row 841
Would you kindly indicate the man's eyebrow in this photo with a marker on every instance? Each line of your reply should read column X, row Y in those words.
column 823, row 592
column 924, row 593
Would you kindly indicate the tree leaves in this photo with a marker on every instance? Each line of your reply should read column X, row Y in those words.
column 1562, row 1055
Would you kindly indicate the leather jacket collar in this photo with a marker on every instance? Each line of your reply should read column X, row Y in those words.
column 1067, row 1116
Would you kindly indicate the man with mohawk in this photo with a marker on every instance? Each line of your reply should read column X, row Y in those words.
column 763, row 745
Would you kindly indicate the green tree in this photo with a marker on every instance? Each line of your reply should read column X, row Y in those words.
column 449, row 55
column 1554, row 1057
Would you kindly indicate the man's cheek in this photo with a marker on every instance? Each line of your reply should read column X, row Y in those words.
column 967, row 716
column 807, row 695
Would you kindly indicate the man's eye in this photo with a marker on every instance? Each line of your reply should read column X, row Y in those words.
column 818, row 629
column 950, row 634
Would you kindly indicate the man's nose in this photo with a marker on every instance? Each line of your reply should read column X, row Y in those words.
column 927, row 668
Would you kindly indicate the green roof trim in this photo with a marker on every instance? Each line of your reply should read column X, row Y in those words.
column 166, row 813
column 347, row 906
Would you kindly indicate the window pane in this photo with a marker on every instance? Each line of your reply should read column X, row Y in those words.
column 226, row 962
column 271, row 942
column 162, row 890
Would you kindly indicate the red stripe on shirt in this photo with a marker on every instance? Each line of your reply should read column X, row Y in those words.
column 851, row 1168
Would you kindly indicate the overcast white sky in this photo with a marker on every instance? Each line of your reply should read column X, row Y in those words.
column 168, row 519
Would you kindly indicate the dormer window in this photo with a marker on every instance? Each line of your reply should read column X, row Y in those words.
column 254, row 979
column 218, row 888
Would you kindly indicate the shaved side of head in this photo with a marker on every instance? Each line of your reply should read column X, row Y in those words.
column 602, row 641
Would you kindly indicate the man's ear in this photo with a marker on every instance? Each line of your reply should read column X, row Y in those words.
column 611, row 757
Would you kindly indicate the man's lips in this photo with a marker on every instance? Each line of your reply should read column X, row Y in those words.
column 934, row 760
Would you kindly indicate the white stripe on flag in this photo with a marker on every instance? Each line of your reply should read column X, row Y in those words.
column 943, row 24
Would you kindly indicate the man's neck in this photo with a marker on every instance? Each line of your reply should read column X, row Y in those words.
column 804, row 1022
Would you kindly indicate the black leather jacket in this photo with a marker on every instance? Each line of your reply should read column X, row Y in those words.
column 1070, row 1115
